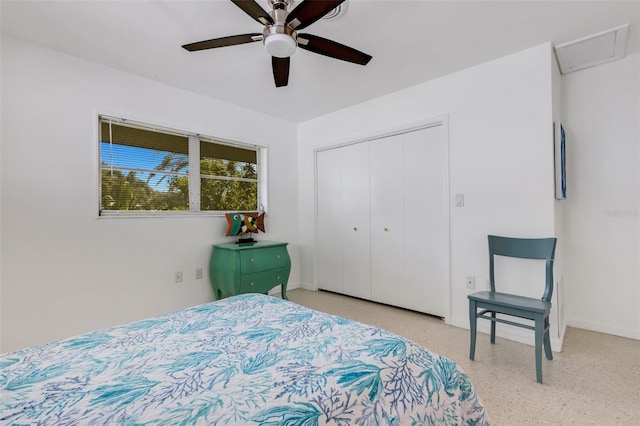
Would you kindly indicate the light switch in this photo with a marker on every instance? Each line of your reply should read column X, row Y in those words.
column 459, row 200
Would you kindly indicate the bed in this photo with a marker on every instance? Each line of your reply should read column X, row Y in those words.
column 249, row 359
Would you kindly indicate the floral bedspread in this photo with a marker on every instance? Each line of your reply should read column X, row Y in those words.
column 246, row 360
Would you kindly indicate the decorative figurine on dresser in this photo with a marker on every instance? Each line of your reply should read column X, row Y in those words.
column 247, row 265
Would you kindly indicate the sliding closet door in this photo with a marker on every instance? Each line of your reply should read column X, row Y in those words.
column 383, row 220
column 329, row 225
column 426, row 206
column 409, row 221
column 387, row 221
column 356, row 263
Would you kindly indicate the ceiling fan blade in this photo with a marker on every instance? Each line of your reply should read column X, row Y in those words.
column 280, row 71
column 252, row 9
column 332, row 49
column 309, row 11
column 223, row 41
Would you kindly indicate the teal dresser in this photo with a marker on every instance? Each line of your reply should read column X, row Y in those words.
column 249, row 268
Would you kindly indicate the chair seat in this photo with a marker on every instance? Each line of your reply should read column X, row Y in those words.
column 529, row 304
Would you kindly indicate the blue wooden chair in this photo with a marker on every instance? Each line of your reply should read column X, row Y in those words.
column 537, row 310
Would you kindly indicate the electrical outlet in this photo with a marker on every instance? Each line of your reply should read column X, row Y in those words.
column 471, row 282
column 178, row 277
column 198, row 273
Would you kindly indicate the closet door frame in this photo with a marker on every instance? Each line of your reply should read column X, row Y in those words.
column 441, row 120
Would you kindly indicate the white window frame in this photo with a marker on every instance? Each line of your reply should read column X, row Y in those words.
column 193, row 174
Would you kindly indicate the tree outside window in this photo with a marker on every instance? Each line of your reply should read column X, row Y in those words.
column 144, row 169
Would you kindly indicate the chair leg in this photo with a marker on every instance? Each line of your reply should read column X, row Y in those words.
column 547, row 340
column 472, row 329
column 539, row 332
column 493, row 328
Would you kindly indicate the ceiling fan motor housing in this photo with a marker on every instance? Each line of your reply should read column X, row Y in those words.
column 280, row 40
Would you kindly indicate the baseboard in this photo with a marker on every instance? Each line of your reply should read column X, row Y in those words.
column 306, row 286
column 562, row 333
column 604, row 328
column 276, row 291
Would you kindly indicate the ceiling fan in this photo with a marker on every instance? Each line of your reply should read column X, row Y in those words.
column 280, row 36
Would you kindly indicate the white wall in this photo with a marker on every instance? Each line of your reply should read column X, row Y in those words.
column 64, row 271
column 602, row 274
column 501, row 158
column 559, row 308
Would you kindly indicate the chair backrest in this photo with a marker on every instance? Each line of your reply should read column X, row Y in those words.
column 524, row 248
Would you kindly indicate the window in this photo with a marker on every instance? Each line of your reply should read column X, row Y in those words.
column 146, row 169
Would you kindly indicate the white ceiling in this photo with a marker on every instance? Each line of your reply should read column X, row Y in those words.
column 410, row 41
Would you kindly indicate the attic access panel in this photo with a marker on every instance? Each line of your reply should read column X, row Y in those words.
column 596, row 49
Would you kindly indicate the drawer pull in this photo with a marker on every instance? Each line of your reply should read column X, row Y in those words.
column 355, row 229
column 252, row 283
column 278, row 277
column 277, row 256
column 252, row 260
column 386, row 229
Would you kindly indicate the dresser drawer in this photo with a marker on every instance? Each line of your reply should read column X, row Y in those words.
column 255, row 260
column 262, row 282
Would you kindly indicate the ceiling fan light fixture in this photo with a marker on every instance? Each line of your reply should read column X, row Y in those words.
column 280, row 45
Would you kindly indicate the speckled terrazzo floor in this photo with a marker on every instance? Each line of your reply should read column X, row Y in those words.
column 595, row 380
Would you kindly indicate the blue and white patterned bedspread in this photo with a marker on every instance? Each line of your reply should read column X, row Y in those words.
column 250, row 360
